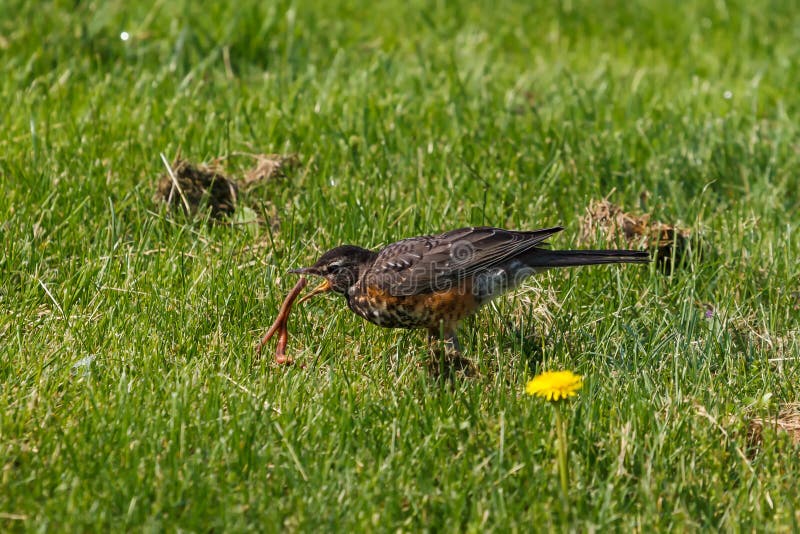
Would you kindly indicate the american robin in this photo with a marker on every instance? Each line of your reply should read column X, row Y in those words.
column 435, row 281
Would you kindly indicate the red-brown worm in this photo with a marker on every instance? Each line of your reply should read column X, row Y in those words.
column 280, row 325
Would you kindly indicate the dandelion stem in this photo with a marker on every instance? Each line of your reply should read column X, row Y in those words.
column 562, row 449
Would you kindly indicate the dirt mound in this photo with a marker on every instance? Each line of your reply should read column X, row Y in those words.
column 191, row 187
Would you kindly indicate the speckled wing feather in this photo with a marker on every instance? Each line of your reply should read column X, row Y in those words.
column 437, row 262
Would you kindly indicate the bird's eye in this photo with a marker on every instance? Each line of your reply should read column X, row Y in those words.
column 334, row 268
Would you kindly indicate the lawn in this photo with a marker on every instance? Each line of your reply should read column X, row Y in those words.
column 131, row 397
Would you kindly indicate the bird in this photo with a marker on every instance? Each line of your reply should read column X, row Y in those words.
column 434, row 282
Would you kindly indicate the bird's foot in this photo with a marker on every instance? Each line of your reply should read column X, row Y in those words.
column 446, row 361
column 452, row 367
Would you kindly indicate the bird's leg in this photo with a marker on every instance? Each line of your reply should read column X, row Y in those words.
column 446, row 353
column 444, row 344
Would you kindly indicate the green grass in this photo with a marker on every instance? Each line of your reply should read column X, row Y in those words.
column 410, row 118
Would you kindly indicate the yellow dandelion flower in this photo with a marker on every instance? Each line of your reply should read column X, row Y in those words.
column 555, row 385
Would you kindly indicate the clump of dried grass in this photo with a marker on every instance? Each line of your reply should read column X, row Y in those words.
column 611, row 223
column 787, row 420
column 270, row 166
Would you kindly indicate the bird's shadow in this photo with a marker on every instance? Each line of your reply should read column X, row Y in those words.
column 530, row 343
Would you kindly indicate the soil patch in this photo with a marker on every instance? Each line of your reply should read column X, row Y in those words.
column 191, row 187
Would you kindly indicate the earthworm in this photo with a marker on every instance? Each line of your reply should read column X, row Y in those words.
column 280, row 325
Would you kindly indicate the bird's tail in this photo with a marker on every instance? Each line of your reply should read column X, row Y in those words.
column 544, row 258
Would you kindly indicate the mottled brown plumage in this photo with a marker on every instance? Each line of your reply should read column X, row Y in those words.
column 435, row 281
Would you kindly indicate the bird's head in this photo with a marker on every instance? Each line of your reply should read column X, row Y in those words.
column 340, row 268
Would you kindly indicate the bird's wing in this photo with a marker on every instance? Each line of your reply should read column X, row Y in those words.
column 436, row 262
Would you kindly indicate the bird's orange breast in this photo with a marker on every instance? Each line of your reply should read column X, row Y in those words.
column 427, row 310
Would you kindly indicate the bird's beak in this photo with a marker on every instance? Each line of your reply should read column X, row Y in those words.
column 324, row 287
